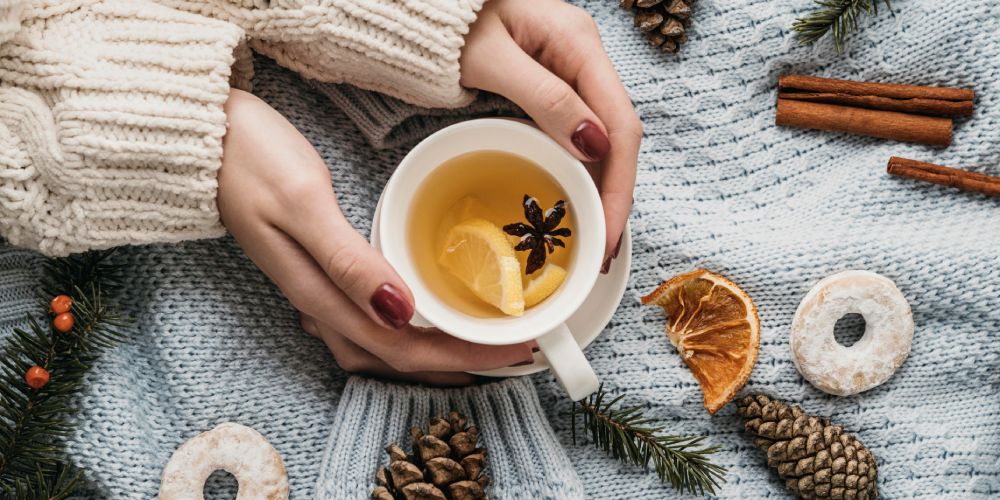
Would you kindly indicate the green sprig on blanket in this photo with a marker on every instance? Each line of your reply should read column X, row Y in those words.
column 838, row 17
column 626, row 434
column 34, row 422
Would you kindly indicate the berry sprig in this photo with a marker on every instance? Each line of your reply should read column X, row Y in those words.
column 42, row 369
column 61, row 306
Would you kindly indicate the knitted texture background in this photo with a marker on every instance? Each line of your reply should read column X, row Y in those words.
column 778, row 209
column 719, row 186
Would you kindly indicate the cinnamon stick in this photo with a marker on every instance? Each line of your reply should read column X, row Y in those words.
column 947, row 176
column 893, row 90
column 918, row 106
column 937, row 101
column 931, row 130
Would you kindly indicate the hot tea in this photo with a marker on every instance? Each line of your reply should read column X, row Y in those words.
column 491, row 233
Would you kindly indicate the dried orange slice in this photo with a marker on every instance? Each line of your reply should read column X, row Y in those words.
column 714, row 326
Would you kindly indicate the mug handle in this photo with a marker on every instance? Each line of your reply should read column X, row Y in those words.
column 568, row 363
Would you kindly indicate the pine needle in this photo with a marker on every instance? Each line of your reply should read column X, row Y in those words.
column 35, row 423
column 838, row 17
column 627, row 435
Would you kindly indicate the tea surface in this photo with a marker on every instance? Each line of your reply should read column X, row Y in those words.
column 488, row 185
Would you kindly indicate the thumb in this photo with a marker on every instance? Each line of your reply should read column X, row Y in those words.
column 550, row 101
column 351, row 263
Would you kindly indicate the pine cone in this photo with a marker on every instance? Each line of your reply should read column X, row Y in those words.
column 815, row 458
column 445, row 464
column 664, row 22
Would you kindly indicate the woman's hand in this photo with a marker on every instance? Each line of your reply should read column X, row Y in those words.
column 275, row 197
column 547, row 57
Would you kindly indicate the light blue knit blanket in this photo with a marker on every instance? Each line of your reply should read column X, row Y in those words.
column 719, row 187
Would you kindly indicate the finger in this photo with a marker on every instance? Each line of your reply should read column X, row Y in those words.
column 307, row 210
column 414, row 349
column 548, row 99
column 353, row 359
column 351, row 262
column 408, row 349
column 600, row 87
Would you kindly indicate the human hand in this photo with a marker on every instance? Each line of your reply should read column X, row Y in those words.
column 546, row 56
column 275, row 197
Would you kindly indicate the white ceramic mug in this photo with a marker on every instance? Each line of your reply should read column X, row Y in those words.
column 544, row 322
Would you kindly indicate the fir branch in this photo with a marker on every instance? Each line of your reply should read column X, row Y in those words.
column 838, row 17
column 626, row 434
column 59, row 484
column 34, row 422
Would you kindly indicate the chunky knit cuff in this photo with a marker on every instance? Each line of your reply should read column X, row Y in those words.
column 116, row 126
column 525, row 459
column 10, row 18
column 388, row 122
column 409, row 49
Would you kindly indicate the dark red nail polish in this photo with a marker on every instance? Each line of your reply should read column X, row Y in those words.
column 391, row 306
column 591, row 141
column 535, row 349
column 606, row 266
column 618, row 247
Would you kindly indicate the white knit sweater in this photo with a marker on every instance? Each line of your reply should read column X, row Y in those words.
column 111, row 119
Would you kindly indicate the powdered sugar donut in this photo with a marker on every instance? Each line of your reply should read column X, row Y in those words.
column 873, row 359
column 235, row 448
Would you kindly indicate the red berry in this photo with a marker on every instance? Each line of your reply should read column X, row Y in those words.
column 63, row 322
column 61, row 304
column 36, row 377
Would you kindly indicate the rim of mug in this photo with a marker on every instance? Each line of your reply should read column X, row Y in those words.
column 583, row 271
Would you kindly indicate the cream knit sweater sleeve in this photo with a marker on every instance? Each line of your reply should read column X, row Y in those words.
column 405, row 48
column 111, row 119
column 10, row 18
column 111, row 124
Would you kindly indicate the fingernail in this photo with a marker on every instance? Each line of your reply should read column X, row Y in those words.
column 309, row 326
column 591, row 141
column 618, row 246
column 535, row 349
column 606, row 266
column 391, row 306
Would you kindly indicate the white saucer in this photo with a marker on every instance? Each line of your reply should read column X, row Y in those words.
column 588, row 322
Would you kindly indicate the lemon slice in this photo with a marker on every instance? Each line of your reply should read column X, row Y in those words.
column 478, row 253
column 468, row 207
column 541, row 287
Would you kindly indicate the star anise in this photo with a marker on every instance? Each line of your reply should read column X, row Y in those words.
column 541, row 233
